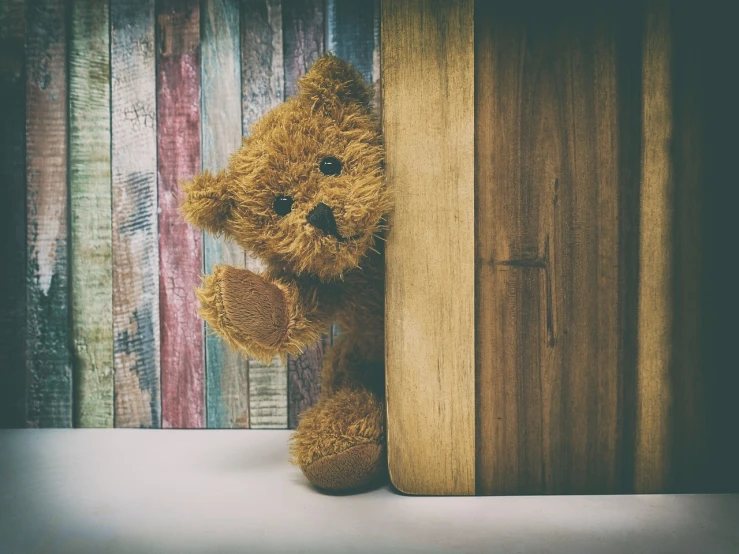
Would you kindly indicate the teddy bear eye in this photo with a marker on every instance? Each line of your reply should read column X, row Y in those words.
column 283, row 205
column 330, row 166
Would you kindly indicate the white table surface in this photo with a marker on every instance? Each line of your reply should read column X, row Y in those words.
column 150, row 491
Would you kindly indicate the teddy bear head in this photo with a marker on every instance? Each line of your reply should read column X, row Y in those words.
column 306, row 189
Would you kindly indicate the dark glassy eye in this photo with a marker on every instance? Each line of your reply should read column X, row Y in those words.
column 283, row 205
column 330, row 166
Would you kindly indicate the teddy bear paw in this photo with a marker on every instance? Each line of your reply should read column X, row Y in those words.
column 340, row 442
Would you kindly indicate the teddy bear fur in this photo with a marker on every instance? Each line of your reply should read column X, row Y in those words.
column 317, row 273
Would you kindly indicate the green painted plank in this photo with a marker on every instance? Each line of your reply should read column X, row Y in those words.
column 49, row 365
column 135, row 240
column 90, row 212
column 12, row 215
column 262, row 85
column 227, row 379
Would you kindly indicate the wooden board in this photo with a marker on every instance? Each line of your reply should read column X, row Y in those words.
column 262, row 88
column 428, row 121
column 303, row 38
column 91, row 262
column 227, row 384
column 303, row 42
column 591, row 376
column 48, row 364
column 135, row 242
column 180, row 245
column 350, row 34
column 12, row 215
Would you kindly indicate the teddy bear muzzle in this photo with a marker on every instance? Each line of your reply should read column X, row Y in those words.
column 322, row 218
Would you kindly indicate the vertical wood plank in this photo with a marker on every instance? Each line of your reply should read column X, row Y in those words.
column 12, row 215
column 303, row 38
column 49, row 369
column 180, row 245
column 655, row 257
column 91, row 262
column 227, row 384
column 428, row 122
column 135, row 241
column 303, row 42
column 350, row 34
column 549, row 185
column 263, row 86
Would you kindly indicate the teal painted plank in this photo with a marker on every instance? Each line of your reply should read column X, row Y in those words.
column 90, row 202
column 12, row 216
column 48, row 365
column 227, row 378
column 263, row 82
column 135, row 239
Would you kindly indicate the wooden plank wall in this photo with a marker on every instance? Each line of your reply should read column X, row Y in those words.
column 591, row 368
column 98, row 295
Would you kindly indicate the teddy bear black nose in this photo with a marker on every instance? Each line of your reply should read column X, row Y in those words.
column 322, row 217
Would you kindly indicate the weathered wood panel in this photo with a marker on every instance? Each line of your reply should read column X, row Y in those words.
column 48, row 364
column 180, row 245
column 303, row 38
column 135, row 240
column 91, row 261
column 12, row 215
column 303, row 42
column 227, row 385
column 350, row 34
column 428, row 121
column 262, row 88
column 304, row 384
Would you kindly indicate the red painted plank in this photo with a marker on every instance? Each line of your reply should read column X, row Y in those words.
column 12, row 216
column 48, row 362
column 180, row 245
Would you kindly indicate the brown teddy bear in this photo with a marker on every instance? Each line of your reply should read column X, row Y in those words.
column 306, row 193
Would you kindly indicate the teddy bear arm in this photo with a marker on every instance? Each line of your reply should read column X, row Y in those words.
column 262, row 316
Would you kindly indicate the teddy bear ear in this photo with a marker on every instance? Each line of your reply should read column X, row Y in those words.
column 207, row 203
column 331, row 79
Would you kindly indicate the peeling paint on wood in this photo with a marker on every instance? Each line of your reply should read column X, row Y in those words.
column 227, row 382
column 48, row 365
column 135, row 240
column 262, row 88
column 91, row 262
column 180, row 245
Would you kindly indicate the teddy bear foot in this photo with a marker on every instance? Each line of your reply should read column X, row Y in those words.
column 340, row 442
column 351, row 470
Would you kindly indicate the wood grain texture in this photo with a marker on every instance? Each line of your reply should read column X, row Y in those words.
column 428, row 122
column 304, row 380
column 350, row 34
column 303, row 38
column 48, row 363
column 180, row 245
column 91, row 262
column 227, row 377
column 655, row 256
column 12, row 215
column 303, row 42
column 547, row 241
column 262, row 88
column 135, row 240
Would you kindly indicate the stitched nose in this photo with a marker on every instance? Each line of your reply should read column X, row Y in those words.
column 322, row 217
